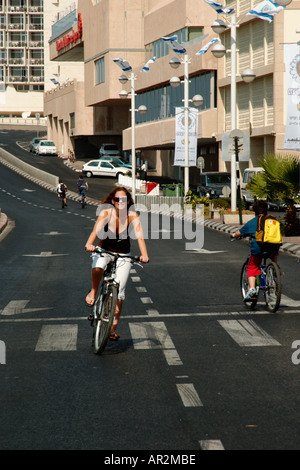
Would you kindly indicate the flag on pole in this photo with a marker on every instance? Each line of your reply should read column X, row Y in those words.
column 220, row 8
column 53, row 80
column 123, row 64
column 173, row 44
column 146, row 66
column 266, row 10
column 207, row 46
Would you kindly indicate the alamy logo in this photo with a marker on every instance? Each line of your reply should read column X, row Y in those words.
column 2, row 353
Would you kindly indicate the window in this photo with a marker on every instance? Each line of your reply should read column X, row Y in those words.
column 100, row 71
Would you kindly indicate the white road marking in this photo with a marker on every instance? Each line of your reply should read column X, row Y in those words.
column 58, row 338
column 141, row 289
column 247, row 333
column 46, row 254
column 189, row 395
column 146, row 300
column 16, row 307
column 211, row 445
column 287, row 302
column 154, row 335
column 136, row 279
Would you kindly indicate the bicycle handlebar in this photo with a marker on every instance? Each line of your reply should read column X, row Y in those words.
column 101, row 251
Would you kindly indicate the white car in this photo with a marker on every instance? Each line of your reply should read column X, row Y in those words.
column 46, row 147
column 33, row 144
column 103, row 168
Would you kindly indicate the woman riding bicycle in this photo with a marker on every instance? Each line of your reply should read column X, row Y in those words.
column 117, row 220
column 253, row 268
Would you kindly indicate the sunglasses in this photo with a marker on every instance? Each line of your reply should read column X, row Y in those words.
column 120, row 199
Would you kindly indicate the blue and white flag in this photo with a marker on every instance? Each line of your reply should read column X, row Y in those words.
column 220, row 8
column 146, row 66
column 266, row 10
column 53, row 80
column 207, row 46
column 173, row 44
column 123, row 64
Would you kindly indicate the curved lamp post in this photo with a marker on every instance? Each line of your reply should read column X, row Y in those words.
column 141, row 110
column 197, row 101
column 247, row 75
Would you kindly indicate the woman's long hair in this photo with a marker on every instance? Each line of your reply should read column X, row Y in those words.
column 109, row 198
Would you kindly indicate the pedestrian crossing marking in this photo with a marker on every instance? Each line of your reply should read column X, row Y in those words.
column 154, row 335
column 247, row 333
column 189, row 395
column 58, row 338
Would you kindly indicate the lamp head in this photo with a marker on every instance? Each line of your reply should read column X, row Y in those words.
column 175, row 82
column 219, row 51
column 248, row 75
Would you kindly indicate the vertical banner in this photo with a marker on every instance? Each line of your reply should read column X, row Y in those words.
column 292, row 67
column 179, row 159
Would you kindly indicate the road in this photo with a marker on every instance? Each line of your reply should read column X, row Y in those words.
column 17, row 143
column 193, row 368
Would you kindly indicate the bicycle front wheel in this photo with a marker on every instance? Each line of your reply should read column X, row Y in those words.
column 103, row 324
column 245, row 287
column 273, row 287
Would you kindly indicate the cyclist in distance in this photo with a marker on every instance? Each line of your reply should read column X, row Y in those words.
column 82, row 187
column 116, row 224
column 61, row 190
column 253, row 269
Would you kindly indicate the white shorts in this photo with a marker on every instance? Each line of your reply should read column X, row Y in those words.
column 122, row 271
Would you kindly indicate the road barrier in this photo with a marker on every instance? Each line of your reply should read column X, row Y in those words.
column 31, row 170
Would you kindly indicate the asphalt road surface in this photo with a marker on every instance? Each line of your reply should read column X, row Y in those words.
column 193, row 368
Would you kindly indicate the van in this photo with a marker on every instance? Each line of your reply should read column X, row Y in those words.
column 247, row 196
column 109, row 150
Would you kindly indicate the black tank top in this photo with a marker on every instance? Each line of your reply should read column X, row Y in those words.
column 116, row 242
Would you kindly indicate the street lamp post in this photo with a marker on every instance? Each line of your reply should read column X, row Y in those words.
column 247, row 75
column 142, row 110
column 197, row 101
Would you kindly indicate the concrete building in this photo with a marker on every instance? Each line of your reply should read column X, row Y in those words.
column 84, row 115
column 25, row 67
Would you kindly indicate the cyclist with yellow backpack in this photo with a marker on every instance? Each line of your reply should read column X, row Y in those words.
column 265, row 238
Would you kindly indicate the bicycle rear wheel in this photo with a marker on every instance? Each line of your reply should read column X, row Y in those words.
column 245, row 287
column 103, row 324
column 273, row 287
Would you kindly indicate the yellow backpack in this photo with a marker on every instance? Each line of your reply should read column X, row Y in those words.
column 268, row 232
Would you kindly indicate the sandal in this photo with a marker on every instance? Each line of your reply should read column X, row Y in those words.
column 114, row 337
column 93, row 300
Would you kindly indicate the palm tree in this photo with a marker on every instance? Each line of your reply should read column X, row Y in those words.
column 280, row 180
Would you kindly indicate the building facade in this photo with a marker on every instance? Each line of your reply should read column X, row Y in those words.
column 25, row 67
column 132, row 30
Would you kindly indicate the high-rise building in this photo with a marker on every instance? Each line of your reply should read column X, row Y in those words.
column 25, row 68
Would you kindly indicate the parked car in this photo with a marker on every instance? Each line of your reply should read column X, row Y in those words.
column 247, row 196
column 33, row 144
column 117, row 160
column 46, row 147
column 213, row 184
column 109, row 150
column 103, row 168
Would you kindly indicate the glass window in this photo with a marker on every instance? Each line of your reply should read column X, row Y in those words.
column 100, row 71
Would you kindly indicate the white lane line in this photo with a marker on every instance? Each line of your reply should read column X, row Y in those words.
column 57, row 338
column 141, row 289
column 154, row 335
column 212, row 444
column 136, row 279
column 146, row 300
column 247, row 333
column 153, row 313
column 189, row 395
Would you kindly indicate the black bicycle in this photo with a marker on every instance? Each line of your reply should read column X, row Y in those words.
column 104, row 307
column 269, row 282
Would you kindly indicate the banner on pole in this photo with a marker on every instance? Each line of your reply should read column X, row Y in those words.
column 292, row 67
column 179, row 159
